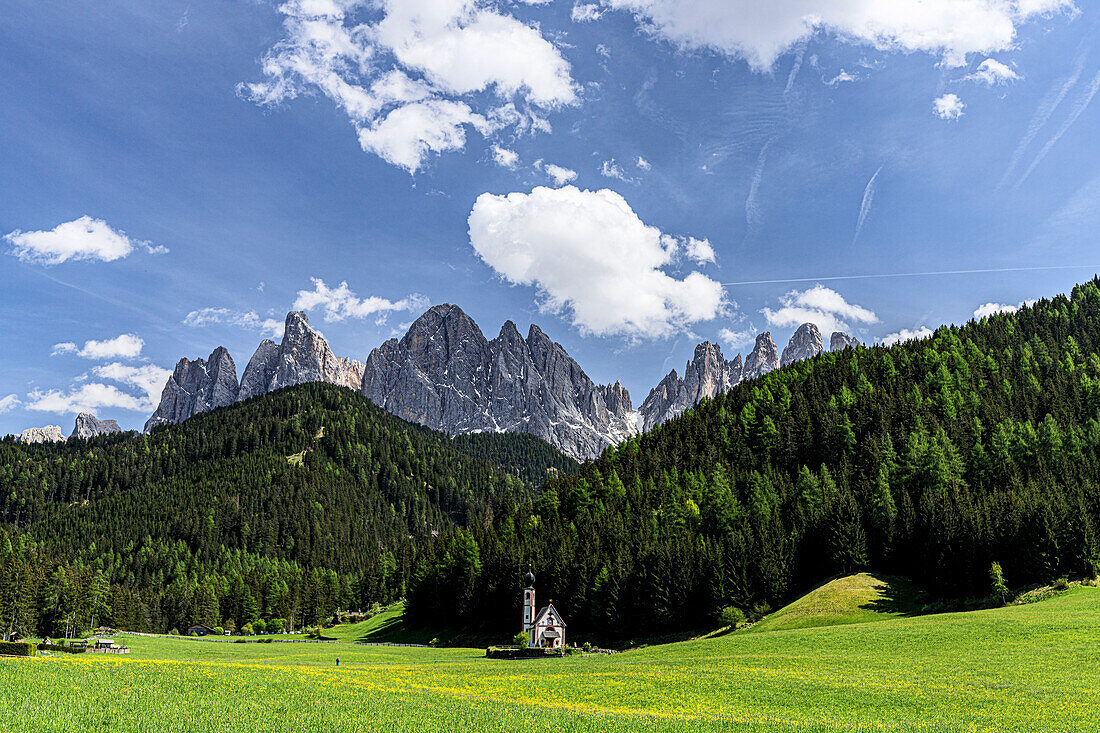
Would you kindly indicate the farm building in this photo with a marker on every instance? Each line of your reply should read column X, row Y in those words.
column 200, row 630
column 545, row 628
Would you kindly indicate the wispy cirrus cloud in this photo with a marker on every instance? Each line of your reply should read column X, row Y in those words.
column 865, row 205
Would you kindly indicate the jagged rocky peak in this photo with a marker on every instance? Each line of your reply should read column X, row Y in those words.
column 841, row 341
column 303, row 356
column 47, row 434
column 445, row 374
column 804, row 344
column 617, row 398
column 195, row 387
column 763, row 359
column 89, row 426
column 707, row 375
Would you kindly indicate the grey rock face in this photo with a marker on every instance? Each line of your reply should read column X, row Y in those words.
column 445, row 374
column 707, row 375
column 260, row 370
column 88, row 426
column 197, row 386
column 763, row 359
column 303, row 356
column 841, row 341
column 804, row 344
column 47, row 434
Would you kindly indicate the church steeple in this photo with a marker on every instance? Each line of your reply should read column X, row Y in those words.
column 529, row 605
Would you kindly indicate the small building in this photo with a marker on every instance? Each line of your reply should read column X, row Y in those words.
column 546, row 627
column 104, row 643
column 200, row 630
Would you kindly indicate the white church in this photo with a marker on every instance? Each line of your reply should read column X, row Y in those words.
column 545, row 629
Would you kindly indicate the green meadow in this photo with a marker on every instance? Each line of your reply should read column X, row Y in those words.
column 1021, row 668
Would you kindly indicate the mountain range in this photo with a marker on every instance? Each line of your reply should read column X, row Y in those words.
column 445, row 374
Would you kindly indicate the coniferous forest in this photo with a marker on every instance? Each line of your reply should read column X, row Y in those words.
column 285, row 507
column 931, row 459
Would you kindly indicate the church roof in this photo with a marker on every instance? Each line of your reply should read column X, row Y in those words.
column 545, row 610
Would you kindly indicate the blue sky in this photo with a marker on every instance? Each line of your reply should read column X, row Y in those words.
column 175, row 176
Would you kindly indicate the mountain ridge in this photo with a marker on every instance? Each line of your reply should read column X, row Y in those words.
column 445, row 373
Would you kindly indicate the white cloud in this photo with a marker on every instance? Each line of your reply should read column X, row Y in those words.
column 1078, row 108
column 87, row 398
column 589, row 255
column 820, row 305
column 737, row 340
column 611, row 169
column 9, row 403
column 642, row 163
column 906, row 334
column 560, row 175
column 81, row 239
column 505, row 158
column 699, row 250
column 585, row 12
column 992, row 72
column 948, row 107
column 840, row 78
column 760, row 33
column 340, row 302
column 150, row 379
column 865, row 205
column 407, row 79
column 125, row 346
column 245, row 319
column 988, row 309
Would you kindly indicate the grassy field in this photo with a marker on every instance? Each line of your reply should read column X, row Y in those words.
column 1023, row 668
column 854, row 599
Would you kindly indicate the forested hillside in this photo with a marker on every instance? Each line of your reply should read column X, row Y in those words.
column 284, row 506
column 932, row 459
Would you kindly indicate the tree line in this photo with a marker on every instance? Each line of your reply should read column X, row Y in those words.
column 288, row 507
column 933, row 459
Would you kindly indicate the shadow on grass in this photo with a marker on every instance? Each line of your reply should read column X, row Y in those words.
column 898, row 597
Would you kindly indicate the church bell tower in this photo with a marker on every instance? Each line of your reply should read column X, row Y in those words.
column 529, row 604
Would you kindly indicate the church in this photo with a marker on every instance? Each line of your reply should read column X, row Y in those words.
column 546, row 628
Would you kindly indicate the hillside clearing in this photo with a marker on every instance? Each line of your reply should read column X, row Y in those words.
column 853, row 599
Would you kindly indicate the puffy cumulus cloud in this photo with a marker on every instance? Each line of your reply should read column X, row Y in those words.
column 9, row 403
column 737, row 340
column 699, row 250
column 585, row 12
column 409, row 73
column 90, row 397
column 505, row 158
column 819, row 305
column 125, row 346
column 559, row 174
column 760, row 33
column 642, row 163
column 85, row 396
column 81, row 239
column 590, row 256
column 906, row 334
column 340, row 302
column 948, row 107
column 148, row 378
column 992, row 72
column 988, row 309
column 245, row 319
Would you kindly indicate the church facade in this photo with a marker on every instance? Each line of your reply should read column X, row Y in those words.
column 545, row 628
